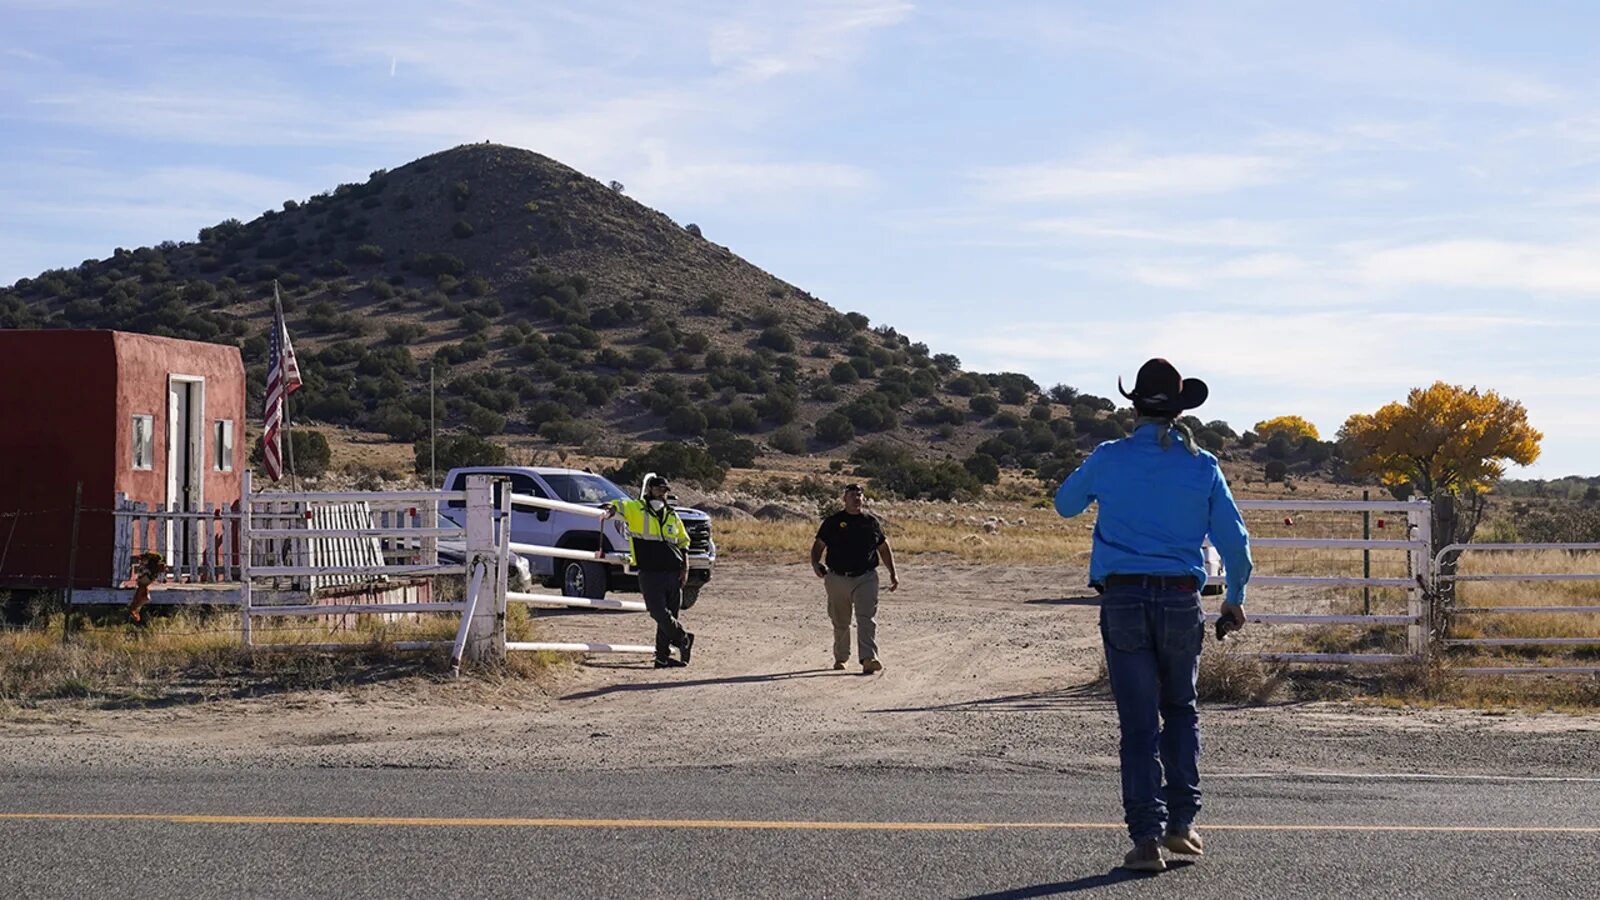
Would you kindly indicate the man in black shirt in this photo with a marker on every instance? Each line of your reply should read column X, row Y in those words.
column 855, row 543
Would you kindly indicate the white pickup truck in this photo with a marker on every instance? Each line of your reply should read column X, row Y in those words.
column 554, row 528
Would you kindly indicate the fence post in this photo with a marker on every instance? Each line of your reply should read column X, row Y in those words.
column 72, row 563
column 245, row 633
column 502, row 570
column 481, row 551
column 1366, row 553
column 1419, row 527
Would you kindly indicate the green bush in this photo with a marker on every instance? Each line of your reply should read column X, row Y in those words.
column 983, row 406
column 774, row 337
column 730, row 450
column 894, row 471
column 309, row 449
column 687, row 421
column 456, row 450
column 567, row 431
column 835, row 428
column 439, row 264
column 743, row 417
column 788, row 439
column 485, row 422
column 983, row 467
column 675, row 461
column 843, row 373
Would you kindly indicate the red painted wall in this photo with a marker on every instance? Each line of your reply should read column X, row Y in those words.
column 66, row 404
column 144, row 364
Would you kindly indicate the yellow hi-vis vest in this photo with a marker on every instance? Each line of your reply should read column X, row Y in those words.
column 644, row 526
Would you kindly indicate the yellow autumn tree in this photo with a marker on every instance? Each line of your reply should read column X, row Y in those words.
column 1447, row 443
column 1293, row 428
column 1443, row 438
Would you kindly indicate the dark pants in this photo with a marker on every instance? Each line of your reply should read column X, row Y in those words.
column 1152, row 638
column 663, row 596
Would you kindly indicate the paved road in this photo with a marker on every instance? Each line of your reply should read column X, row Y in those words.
column 717, row 833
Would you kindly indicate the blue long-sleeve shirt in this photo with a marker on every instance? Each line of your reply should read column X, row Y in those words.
column 1157, row 504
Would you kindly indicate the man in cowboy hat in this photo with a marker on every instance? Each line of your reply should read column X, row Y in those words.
column 1159, row 497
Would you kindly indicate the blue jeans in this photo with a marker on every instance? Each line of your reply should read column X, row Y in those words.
column 1152, row 638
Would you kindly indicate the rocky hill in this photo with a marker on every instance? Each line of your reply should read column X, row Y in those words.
column 550, row 304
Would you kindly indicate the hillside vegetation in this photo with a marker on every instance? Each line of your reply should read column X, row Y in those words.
column 550, row 305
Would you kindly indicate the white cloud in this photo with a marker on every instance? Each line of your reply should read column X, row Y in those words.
column 1110, row 175
column 789, row 38
column 1203, row 233
column 1491, row 264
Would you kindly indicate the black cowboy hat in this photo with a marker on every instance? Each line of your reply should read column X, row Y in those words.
column 1160, row 389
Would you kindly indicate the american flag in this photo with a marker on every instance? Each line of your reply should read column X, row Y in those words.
column 283, row 377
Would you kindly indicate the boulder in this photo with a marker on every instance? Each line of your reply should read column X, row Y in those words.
column 776, row 512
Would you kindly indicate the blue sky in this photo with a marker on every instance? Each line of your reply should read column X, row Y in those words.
column 1314, row 207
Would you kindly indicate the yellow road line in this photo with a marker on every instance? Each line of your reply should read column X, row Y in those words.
column 747, row 824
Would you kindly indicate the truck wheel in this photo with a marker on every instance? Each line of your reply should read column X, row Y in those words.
column 691, row 593
column 583, row 579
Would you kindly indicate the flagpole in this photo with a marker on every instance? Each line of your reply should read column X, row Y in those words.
column 288, row 439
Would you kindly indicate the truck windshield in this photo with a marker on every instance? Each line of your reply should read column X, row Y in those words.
column 584, row 488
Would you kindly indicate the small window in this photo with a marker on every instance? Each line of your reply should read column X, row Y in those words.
column 222, row 440
column 143, row 446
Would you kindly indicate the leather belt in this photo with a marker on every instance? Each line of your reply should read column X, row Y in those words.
column 852, row 574
column 1175, row 582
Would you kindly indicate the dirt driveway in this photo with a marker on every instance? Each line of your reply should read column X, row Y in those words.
column 986, row 668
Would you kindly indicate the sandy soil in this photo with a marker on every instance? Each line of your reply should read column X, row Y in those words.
column 986, row 668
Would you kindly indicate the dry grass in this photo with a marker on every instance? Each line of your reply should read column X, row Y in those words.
column 1227, row 676
column 190, row 657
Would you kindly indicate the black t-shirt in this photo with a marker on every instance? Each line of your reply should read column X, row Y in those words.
column 852, row 541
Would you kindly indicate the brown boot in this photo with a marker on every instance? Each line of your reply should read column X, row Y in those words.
column 1145, row 857
column 1185, row 841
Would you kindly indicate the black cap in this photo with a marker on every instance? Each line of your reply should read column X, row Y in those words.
column 656, row 481
column 853, row 488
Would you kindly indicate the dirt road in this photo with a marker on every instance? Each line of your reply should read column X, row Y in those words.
column 988, row 669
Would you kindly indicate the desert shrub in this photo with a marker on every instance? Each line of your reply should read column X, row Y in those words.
column 310, row 451
column 983, row 467
column 788, row 439
column 776, row 338
column 731, row 450
column 835, row 428
column 675, row 461
column 843, row 373
column 688, row 421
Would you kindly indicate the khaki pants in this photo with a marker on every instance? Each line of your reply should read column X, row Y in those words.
column 858, row 594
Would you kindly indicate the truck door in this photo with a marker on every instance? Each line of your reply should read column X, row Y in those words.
column 530, row 525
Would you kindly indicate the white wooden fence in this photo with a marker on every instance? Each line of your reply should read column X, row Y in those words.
column 508, row 502
column 1416, row 545
column 1454, row 613
column 312, row 553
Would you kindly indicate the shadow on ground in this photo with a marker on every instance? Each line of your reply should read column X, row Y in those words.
column 1086, row 883
column 1081, row 696
column 708, row 682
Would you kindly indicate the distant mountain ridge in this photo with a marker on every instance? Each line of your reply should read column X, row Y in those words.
column 551, row 303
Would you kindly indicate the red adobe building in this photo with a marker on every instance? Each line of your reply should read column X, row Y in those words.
column 158, row 419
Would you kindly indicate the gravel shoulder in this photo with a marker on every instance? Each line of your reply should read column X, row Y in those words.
column 988, row 669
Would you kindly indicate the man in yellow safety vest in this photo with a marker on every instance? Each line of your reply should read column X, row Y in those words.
column 657, row 548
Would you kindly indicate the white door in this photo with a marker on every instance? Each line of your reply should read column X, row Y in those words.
column 185, row 460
